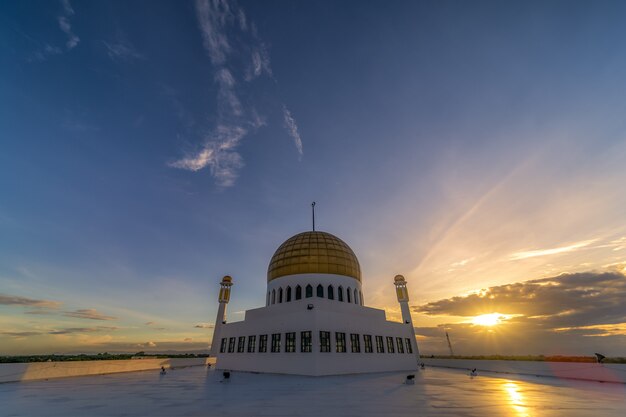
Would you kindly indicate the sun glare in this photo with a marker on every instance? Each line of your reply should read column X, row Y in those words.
column 488, row 319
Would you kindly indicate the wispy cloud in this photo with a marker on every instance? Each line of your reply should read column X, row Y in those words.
column 28, row 302
column 66, row 27
column 43, row 53
column 226, row 93
column 219, row 154
column 45, row 50
column 292, row 129
column 204, row 326
column 552, row 251
column 259, row 63
column 122, row 50
column 90, row 314
column 224, row 27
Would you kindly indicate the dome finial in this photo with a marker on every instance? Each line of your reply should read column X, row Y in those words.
column 313, row 212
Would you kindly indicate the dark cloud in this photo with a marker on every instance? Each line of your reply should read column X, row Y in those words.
column 21, row 334
column 568, row 313
column 67, row 330
column 41, row 312
column 71, row 330
column 90, row 314
column 28, row 302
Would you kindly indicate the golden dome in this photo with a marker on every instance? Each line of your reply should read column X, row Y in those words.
column 314, row 253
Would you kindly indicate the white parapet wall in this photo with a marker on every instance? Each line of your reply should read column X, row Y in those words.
column 609, row 372
column 14, row 372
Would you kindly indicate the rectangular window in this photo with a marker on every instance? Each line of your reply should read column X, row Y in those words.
column 355, row 342
column 263, row 343
column 223, row 345
column 324, row 341
column 241, row 344
column 400, row 345
column 380, row 348
column 390, row 348
column 231, row 345
column 340, row 339
column 290, row 342
column 275, row 342
column 305, row 342
column 368, row 343
column 251, row 344
column 409, row 348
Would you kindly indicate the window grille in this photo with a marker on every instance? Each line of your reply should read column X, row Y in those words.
column 305, row 341
column 290, row 342
column 355, row 343
column 380, row 347
column 340, row 339
column 390, row 348
column 324, row 341
column 275, row 342
column 241, row 345
column 368, row 343
column 263, row 343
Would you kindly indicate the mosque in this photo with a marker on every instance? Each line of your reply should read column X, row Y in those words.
column 315, row 321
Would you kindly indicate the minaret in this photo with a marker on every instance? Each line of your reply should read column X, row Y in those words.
column 224, row 297
column 403, row 299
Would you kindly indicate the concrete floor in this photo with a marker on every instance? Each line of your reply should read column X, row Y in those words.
column 198, row 392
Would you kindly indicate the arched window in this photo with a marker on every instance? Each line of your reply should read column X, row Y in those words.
column 309, row 291
column 356, row 296
column 273, row 296
column 331, row 292
column 280, row 295
column 340, row 293
column 320, row 291
column 288, row 294
column 349, row 295
column 298, row 292
column 361, row 293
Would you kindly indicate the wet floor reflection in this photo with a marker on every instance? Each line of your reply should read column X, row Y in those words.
column 516, row 398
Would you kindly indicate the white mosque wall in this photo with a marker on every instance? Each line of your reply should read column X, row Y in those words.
column 325, row 280
column 13, row 372
column 325, row 315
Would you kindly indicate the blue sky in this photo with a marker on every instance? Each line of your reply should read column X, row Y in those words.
column 148, row 148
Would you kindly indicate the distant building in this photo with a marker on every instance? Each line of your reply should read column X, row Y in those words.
column 314, row 321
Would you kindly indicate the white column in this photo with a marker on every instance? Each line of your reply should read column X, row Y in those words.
column 223, row 299
column 403, row 298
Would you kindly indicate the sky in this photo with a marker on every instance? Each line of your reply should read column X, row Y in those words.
column 149, row 148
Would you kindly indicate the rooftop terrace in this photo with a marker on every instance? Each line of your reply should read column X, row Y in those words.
column 197, row 391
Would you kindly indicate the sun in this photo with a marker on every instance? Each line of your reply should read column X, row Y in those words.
column 488, row 319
